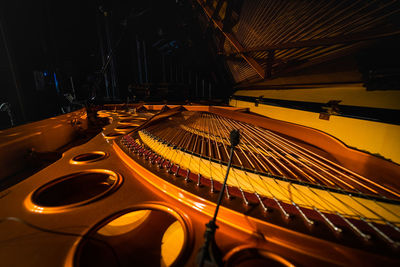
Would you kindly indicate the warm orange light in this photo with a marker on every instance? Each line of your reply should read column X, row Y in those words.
column 124, row 223
column 172, row 243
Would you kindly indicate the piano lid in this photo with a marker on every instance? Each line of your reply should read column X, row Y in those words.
column 327, row 65
column 262, row 40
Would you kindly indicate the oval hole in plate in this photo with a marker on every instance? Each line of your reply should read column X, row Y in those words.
column 141, row 237
column 75, row 189
column 89, row 157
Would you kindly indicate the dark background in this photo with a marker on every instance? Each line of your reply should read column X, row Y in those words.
column 70, row 40
column 53, row 53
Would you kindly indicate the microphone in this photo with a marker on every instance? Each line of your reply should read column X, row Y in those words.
column 234, row 137
column 210, row 253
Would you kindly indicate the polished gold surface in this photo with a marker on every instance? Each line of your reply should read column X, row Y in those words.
column 124, row 223
column 61, row 235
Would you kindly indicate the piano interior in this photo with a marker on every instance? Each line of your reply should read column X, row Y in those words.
column 314, row 179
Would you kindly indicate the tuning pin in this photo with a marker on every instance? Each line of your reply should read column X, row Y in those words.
column 303, row 215
column 161, row 163
column 331, row 225
column 261, row 202
column 284, row 212
column 198, row 180
column 166, row 165
column 177, row 170
column 228, row 196
column 187, row 176
column 169, row 168
column 246, row 202
column 153, row 158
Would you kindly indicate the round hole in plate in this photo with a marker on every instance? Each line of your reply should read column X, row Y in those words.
column 248, row 257
column 89, row 157
column 73, row 190
column 153, row 235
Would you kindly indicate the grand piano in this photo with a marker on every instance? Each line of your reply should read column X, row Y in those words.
column 314, row 179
